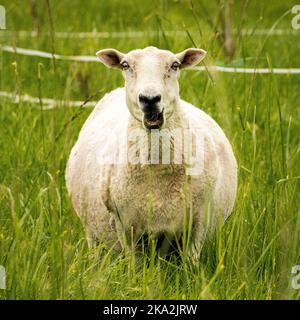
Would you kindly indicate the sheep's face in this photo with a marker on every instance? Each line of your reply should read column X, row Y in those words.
column 151, row 80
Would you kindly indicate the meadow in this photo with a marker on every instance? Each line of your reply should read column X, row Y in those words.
column 42, row 241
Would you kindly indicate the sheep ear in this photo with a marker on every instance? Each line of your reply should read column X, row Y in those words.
column 190, row 57
column 110, row 57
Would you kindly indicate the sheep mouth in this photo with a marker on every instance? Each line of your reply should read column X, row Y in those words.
column 153, row 120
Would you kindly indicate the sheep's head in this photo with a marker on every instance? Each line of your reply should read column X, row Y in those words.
column 151, row 80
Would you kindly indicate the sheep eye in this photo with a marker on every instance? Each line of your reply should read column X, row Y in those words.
column 125, row 65
column 175, row 66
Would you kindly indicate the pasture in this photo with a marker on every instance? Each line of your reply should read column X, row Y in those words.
column 42, row 241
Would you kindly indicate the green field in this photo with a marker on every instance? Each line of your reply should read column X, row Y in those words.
column 42, row 241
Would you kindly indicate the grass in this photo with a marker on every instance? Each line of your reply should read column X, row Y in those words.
column 42, row 242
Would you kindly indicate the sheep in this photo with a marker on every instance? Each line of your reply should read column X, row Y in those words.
column 121, row 201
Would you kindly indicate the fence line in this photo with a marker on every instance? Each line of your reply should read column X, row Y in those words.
column 48, row 55
column 139, row 34
column 47, row 102
column 250, row 70
column 43, row 54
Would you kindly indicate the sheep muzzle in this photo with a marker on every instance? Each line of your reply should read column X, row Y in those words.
column 153, row 120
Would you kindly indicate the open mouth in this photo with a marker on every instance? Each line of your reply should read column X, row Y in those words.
column 153, row 120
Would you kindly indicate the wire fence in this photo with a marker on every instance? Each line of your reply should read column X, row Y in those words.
column 53, row 103
column 85, row 58
column 139, row 34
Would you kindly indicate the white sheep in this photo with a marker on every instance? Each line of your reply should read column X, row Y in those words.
column 119, row 201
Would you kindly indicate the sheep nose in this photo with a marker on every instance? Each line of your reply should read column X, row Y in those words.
column 148, row 102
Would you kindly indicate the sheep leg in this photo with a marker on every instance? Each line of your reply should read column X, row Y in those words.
column 166, row 244
column 91, row 239
column 103, row 230
column 196, row 246
column 198, row 236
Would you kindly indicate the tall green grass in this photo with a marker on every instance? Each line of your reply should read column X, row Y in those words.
column 42, row 242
